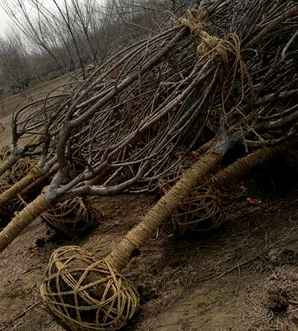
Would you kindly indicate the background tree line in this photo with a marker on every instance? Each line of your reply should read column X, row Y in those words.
column 51, row 37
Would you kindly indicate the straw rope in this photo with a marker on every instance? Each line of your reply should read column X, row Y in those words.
column 195, row 20
column 205, row 209
column 163, row 209
column 11, row 192
column 85, row 293
column 242, row 167
column 202, row 211
column 209, row 45
column 71, row 217
column 19, row 186
column 21, row 220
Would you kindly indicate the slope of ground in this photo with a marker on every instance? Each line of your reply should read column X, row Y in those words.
column 200, row 282
column 204, row 282
column 11, row 103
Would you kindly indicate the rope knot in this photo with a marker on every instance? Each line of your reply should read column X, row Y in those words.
column 209, row 45
column 195, row 20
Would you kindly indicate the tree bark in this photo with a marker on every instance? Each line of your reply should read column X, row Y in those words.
column 19, row 186
column 22, row 220
column 194, row 176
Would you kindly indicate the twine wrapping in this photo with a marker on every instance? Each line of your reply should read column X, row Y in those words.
column 13, row 185
column 85, row 293
column 209, row 45
column 71, row 217
column 89, row 295
column 202, row 211
column 22, row 220
column 205, row 209
column 19, row 185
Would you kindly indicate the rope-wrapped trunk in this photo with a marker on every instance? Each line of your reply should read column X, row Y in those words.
column 194, row 176
column 241, row 168
column 207, row 206
column 20, row 186
column 8, row 163
column 22, row 220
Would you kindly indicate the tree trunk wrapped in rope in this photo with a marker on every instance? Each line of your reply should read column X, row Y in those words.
column 11, row 188
column 206, row 207
column 22, row 219
column 123, row 126
column 88, row 294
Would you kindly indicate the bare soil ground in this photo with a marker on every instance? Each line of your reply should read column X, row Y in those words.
column 11, row 103
column 214, row 281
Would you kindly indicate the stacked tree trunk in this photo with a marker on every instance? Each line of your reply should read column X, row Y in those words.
column 218, row 77
column 206, row 79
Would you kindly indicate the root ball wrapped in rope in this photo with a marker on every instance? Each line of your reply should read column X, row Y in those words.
column 110, row 299
column 202, row 211
column 91, row 295
column 71, row 217
column 207, row 206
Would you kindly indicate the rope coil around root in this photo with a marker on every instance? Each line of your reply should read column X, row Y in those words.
column 207, row 206
column 71, row 217
column 202, row 211
column 209, row 45
column 90, row 294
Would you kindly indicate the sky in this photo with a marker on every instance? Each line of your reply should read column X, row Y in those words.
column 4, row 22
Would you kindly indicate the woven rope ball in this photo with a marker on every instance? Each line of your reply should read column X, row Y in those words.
column 72, row 217
column 202, row 211
column 86, row 294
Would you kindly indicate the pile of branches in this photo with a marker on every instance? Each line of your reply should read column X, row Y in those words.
column 144, row 108
column 220, row 73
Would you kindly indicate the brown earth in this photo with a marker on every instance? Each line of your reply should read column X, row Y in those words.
column 206, row 282
column 11, row 103
column 214, row 281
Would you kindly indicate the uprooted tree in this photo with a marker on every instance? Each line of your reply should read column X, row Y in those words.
column 85, row 293
column 199, row 81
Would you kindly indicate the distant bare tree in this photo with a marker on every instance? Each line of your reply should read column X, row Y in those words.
column 85, row 23
column 28, row 18
column 70, row 34
column 14, row 64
